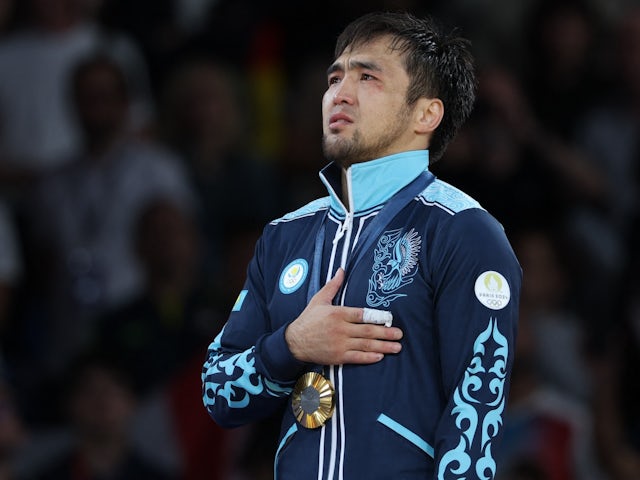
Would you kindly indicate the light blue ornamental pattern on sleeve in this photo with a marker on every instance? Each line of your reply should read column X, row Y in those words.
column 487, row 370
column 447, row 197
column 245, row 381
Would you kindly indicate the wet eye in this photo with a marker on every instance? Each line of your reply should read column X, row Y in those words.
column 366, row 76
column 333, row 80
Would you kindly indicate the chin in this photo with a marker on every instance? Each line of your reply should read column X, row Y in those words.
column 339, row 150
column 336, row 155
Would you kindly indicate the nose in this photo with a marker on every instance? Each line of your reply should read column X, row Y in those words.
column 344, row 92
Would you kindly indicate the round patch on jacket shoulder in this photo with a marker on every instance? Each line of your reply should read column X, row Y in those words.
column 293, row 276
column 492, row 290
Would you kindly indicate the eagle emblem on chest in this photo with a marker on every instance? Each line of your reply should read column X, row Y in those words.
column 395, row 261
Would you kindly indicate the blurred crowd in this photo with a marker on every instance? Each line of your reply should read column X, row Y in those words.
column 143, row 146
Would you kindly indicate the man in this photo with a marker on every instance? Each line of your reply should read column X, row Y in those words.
column 398, row 367
column 39, row 132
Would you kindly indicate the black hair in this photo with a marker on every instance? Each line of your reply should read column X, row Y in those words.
column 439, row 64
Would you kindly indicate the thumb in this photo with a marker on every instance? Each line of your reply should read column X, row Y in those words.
column 325, row 294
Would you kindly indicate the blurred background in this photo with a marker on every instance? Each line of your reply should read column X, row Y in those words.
column 145, row 143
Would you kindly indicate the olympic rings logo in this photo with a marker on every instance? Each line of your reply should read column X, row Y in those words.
column 492, row 290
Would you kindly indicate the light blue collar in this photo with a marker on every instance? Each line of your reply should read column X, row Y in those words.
column 372, row 183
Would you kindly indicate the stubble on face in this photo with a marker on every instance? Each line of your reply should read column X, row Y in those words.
column 357, row 148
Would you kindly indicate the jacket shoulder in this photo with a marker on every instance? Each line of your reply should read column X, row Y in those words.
column 310, row 209
column 447, row 197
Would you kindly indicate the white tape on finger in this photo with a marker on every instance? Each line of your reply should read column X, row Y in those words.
column 379, row 317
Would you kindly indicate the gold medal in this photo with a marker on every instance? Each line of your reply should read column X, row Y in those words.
column 313, row 400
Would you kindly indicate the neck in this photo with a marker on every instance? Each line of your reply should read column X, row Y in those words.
column 369, row 184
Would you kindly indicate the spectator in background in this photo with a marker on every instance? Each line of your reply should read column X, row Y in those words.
column 609, row 134
column 25, row 448
column 38, row 131
column 82, row 218
column 506, row 148
column 558, row 334
column 100, row 405
column 549, row 421
column 164, row 29
column 616, row 374
column 205, row 120
column 529, row 108
column 172, row 314
column 161, row 335
column 563, row 48
column 302, row 154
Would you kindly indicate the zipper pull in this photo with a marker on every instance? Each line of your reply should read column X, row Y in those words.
column 344, row 226
column 348, row 221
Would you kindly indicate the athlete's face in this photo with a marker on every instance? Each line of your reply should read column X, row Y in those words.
column 364, row 110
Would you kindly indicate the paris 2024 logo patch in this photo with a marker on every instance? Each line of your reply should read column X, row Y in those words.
column 395, row 261
column 492, row 290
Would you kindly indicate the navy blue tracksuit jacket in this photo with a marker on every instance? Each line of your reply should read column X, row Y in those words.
column 444, row 267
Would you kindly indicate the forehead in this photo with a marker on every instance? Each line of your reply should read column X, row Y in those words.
column 379, row 49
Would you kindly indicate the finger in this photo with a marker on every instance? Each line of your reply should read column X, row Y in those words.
column 351, row 314
column 325, row 294
column 360, row 330
column 373, row 345
column 363, row 358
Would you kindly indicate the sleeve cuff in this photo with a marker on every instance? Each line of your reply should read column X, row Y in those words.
column 276, row 360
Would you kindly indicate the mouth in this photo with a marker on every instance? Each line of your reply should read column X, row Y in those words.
column 338, row 120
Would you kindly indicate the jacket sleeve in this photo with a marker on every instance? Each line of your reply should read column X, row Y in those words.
column 477, row 281
column 249, row 371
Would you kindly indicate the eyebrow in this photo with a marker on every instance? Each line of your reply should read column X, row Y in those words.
column 354, row 64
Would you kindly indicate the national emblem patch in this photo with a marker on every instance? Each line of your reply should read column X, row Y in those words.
column 293, row 276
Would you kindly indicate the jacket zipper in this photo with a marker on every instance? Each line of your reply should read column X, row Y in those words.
column 336, row 370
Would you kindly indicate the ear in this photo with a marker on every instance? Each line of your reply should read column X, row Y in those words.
column 429, row 113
